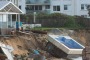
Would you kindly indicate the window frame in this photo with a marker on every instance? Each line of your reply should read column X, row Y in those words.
column 56, row 8
column 82, row 6
column 47, row 7
column 65, row 7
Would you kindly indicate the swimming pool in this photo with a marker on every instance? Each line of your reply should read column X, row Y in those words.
column 66, row 44
column 70, row 43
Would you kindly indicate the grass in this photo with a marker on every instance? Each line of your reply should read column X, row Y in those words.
column 50, row 28
column 42, row 28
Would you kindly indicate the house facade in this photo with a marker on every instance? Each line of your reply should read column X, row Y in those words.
column 37, row 6
column 9, row 17
column 69, row 7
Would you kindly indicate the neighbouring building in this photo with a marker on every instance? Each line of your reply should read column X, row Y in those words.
column 69, row 7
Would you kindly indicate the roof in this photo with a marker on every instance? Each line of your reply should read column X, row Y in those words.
column 7, row 7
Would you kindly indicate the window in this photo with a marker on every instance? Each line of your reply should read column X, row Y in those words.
column 40, row 7
column 31, row 7
column 56, row 8
column 20, row 7
column 47, row 6
column 82, row 7
column 36, row 7
column 65, row 7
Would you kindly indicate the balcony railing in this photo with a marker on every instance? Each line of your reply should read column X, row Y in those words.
column 38, row 2
column 37, row 11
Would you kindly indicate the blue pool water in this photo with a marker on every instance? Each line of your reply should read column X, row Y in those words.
column 69, row 43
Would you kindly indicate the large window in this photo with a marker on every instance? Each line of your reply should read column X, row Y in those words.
column 30, row 7
column 65, row 7
column 83, row 6
column 56, row 8
column 47, row 7
column 34, row 7
column 38, row 7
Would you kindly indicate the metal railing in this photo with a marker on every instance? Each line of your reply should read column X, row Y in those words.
column 38, row 2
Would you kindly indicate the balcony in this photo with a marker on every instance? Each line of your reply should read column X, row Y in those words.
column 38, row 2
column 37, row 11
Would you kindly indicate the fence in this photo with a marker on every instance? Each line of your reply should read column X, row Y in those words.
column 59, row 21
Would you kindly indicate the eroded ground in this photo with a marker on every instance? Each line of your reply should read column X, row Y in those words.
column 24, row 43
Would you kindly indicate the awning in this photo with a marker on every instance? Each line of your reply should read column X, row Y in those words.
column 9, row 8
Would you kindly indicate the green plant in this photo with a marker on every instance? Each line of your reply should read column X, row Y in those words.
column 71, row 22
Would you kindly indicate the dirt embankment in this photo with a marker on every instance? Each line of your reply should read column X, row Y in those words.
column 82, row 36
column 22, row 43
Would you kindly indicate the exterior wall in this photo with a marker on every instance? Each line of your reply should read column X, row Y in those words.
column 79, row 11
column 61, row 3
column 3, row 21
column 22, row 4
column 74, row 6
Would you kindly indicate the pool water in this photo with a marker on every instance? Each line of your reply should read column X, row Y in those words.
column 70, row 43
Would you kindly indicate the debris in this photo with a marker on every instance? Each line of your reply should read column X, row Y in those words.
column 38, row 31
column 7, row 50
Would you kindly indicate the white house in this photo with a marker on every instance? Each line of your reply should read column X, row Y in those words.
column 69, row 7
column 7, row 10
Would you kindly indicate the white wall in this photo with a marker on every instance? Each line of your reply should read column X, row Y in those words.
column 79, row 11
column 22, row 4
column 3, row 21
column 61, row 3
column 74, row 6
column 73, row 9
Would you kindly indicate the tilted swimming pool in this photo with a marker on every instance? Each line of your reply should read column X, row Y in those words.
column 70, row 43
column 66, row 44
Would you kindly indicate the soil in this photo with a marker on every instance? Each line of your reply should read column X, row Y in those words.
column 24, row 43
